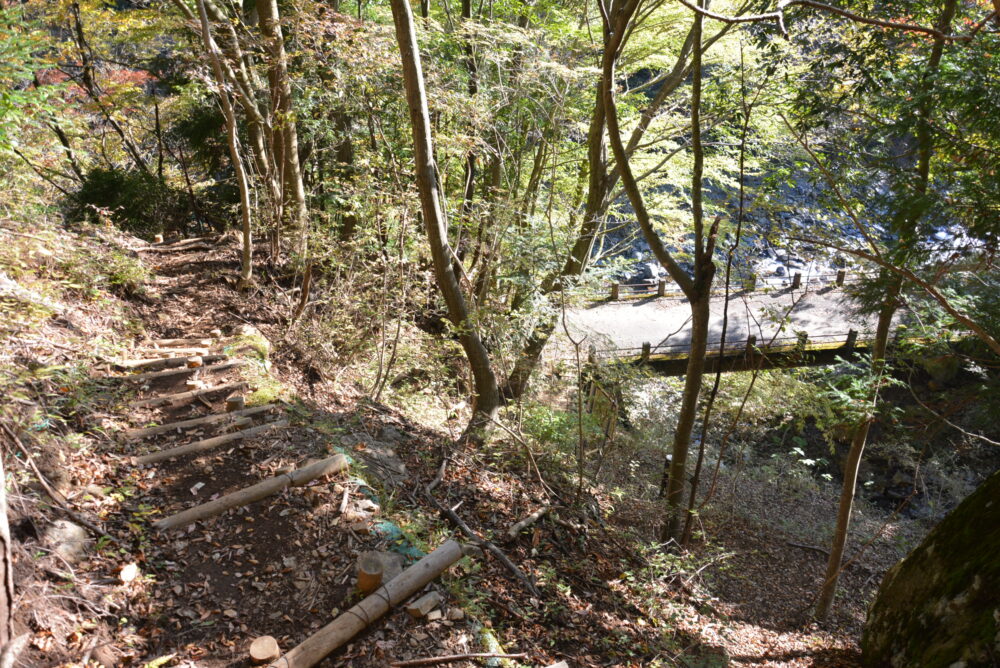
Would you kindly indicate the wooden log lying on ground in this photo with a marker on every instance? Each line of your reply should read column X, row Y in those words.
column 183, row 397
column 207, row 444
column 214, row 418
column 165, row 362
column 156, row 375
column 170, row 343
column 518, row 527
column 171, row 352
column 261, row 490
column 338, row 632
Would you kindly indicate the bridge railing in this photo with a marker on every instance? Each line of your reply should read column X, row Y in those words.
column 664, row 288
column 736, row 346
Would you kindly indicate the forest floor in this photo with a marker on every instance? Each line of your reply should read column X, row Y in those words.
column 285, row 566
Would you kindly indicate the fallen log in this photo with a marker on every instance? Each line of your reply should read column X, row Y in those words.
column 182, row 397
column 155, row 375
column 214, row 418
column 170, row 343
column 171, row 352
column 165, row 362
column 209, row 443
column 261, row 490
column 518, row 527
column 338, row 632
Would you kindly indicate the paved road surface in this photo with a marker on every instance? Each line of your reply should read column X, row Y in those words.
column 666, row 322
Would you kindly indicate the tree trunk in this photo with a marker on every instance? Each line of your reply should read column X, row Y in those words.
column 246, row 266
column 853, row 463
column 293, row 192
column 6, row 568
column 487, row 396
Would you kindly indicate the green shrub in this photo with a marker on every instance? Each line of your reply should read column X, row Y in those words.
column 134, row 201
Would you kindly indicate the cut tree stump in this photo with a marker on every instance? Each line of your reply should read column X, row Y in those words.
column 214, row 418
column 195, row 362
column 338, row 632
column 235, row 402
column 423, row 605
column 183, row 397
column 264, row 650
column 369, row 572
column 165, row 362
column 256, row 492
column 156, row 375
column 207, row 444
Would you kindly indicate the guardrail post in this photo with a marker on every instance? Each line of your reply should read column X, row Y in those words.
column 797, row 281
column 646, row 348
column 751, row 344
column 852, row 339
column 615, row 291
column 661, row 288
column 841, row 275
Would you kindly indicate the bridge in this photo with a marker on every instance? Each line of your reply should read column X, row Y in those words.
column 797, row 322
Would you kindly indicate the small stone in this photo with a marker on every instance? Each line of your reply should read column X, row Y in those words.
column 434, row 615
column 455, row 614
column 68, row 540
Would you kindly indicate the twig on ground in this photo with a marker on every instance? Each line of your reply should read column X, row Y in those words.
column 434, row 660
column 473, row 536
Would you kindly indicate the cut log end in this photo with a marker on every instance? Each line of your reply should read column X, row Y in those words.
column 369, row 572
column 264, row 650
column 195, row 362
column 235, row 402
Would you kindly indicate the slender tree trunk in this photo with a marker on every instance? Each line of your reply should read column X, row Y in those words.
column 246, row 268
column 487, row 398
column 853, row 462
column 925, row 150
column 6, row 567
column 293, row 191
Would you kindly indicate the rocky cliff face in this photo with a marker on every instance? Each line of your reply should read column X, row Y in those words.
column 940, row 606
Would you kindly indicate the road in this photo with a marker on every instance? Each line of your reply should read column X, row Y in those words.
column 665, row 323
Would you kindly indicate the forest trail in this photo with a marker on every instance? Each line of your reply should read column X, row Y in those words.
column 257, row 520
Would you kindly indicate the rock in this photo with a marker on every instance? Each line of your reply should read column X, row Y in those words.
column 105, row 656
column 938, row 606
column 942, row 368
column 68, row 540
column 779, row 271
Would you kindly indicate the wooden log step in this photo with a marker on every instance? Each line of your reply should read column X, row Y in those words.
column 166, row 362
column 183, row 397
column 170, row 352
column 261, row 490
column 154, row 375
column 207, row 444
column 173, row 343
column 338, row 632
column 214, row 418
